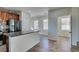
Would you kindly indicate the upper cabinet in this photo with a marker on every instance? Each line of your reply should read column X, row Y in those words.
column 4, row 16
column 13, row 16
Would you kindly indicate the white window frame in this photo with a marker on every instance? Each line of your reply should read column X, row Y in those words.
column 65, row 26
column 45, row 24
column 36, row 27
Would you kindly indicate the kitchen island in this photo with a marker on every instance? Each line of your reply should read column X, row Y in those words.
column 22, row 41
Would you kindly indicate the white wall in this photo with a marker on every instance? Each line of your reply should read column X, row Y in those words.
column 52, row 17
column 27, row 22
column 25, row 18
column 75, row 25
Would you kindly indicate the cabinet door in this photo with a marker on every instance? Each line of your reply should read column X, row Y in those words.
column 10, row 16
column 17, row 17
column 4, row 16
column 0, row 15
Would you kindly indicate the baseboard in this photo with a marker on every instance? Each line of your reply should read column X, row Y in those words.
column 74, row 44
column 52, row 38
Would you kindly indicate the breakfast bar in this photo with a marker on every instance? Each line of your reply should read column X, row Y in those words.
column 23, row 41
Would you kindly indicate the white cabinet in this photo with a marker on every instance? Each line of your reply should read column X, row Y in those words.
column 23, row 43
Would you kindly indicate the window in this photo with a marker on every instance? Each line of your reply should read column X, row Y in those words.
column 65, row 23
column 45, row 24
column 36, row 25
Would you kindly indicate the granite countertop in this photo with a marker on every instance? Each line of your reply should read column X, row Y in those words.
column 13, row 34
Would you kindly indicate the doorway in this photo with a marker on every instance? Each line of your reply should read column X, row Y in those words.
column 64, row 29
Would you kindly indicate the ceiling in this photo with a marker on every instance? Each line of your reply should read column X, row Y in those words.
column 34, row 11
